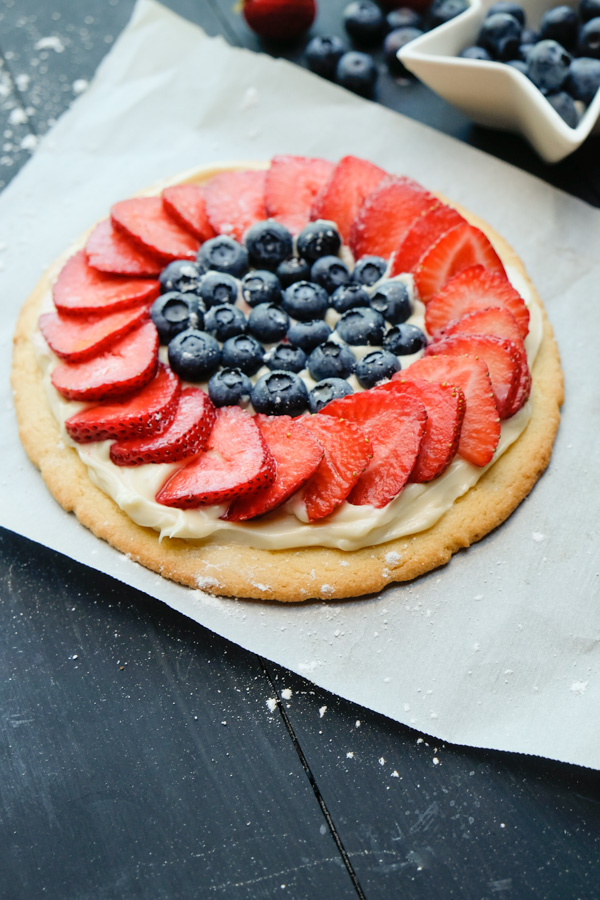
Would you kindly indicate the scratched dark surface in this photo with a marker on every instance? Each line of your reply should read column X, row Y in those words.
column 143, row 756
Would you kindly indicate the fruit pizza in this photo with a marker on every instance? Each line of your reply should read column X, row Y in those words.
column 289, row 380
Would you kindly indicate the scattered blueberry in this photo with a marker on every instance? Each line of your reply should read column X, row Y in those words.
column 268, row 323
column 392, row 300
column 361, row 326
column 376, row 367
column 404, row 339
column 327, row 390
column 224, row 254
column 564, row 105
column 443, row 11
column 224, row 321
column 475, row 52
column 194, row 355
column 393, row 43
column 323, row 54
column 519, row 65
column 403, row 17
column 583, row 79
column 357, row 72
column 180, row 275
column 280, row 393
column 508, row 7
column 243, row 352
column 293, row 269
column 529, row 36
column 317, row 239
column 218, row 287
column 261, row 286
column 305, row 301
column 229, row 387
column 331, row 360
column 369, row 270
column 500, row 35
column 287, row 357
column 589, row 39
column 364, row 22
column 308, row 335
column 330, row 272
column 561, row 23
column 349, row 296
column 548, row 66
column 174, row 312
column 589, row 9
column 268, row 243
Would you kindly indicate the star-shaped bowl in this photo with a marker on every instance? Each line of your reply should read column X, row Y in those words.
column 493, row 94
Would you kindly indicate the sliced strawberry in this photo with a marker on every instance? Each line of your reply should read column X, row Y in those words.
column 445, row 407
column 347, row 455
column 480, row 430
column 129, row 364
column 113, row 251
column 472, row 289
column 237, row 461
column 387, row 214
column 149, row 225
column 394, row 423
column 351, row 182
column 187, row 434
column 147, row 411
column 297, row 454
column 496, row 320
column 235, row 201
column 500, row 355
column 423, row 233
column 80, row 289
column 291, row 185
column 185, row 203
column 457, row 249
column 74, row 338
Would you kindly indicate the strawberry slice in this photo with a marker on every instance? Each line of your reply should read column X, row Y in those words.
column 445, row 407
column 424, row 232
column 472, row 289
column 297, row 455
column 81, row 289
column 237, row 461
column 149, row 225
column 187, row 434
column 480, row 430
column 185, row 203
column 235, row 201
column 351, row 182
column 386, row 215
column 129, row 364
column 394, row 424
column 113, row 251
column 291, row 185
column 500, row 355
column 347, row 455
column 457, row 249
column 76, row 337
column 148, row 411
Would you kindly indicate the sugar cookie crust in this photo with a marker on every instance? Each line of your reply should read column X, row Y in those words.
column 285, row 575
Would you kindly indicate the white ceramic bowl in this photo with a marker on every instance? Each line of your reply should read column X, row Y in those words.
column 494, row 94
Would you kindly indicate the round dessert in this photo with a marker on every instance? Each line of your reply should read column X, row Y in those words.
column 288, row 380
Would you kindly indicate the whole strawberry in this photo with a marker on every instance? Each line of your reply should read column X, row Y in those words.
column 279, row 20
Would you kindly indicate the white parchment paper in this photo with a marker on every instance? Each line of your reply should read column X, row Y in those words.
column 501, row 648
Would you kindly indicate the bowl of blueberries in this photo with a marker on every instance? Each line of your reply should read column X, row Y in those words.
column 531, row 68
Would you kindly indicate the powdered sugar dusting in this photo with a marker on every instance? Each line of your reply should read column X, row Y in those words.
column 392, row 558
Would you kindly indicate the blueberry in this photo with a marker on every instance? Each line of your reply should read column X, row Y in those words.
column 268, row 243
column 330, row 272
column 180, row 275
column 403, row 17
column 393, row 43
column 392, row 300
column 174, row 312
column 369, row 269
column 261, row 286
column 305, row 301
column 548, row 66
column 317, row 239
column 331, row 360
column 564, row 105
column 357, row 72
column 588, row 43
column 224, row 254
column 443, row 11
column 243, row 352
column 364, row 22
column 475, row 52
column 523, row 54
column 507, row 6
column 293, row 269
column 561, row 24
column 376, row 367
column 361, row 326
column 224, row 321
column 229, row 387
column 308, row 335
column 405, row 339
column 323, row 54
column 286, row 357
column 519, row 65
column 583, row 79
column 327, row 390
column 194, row 355
column 500, row 35
column 280, row 393
column 589, row 9
column 268, row 323
column 218, row 287
column 529, row 36
column 349, row 296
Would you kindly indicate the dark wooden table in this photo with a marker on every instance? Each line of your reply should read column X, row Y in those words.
column 143, row 756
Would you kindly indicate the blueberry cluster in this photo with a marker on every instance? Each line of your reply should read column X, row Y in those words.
column 562, row 58
column 370, row 29
column 265, row 303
